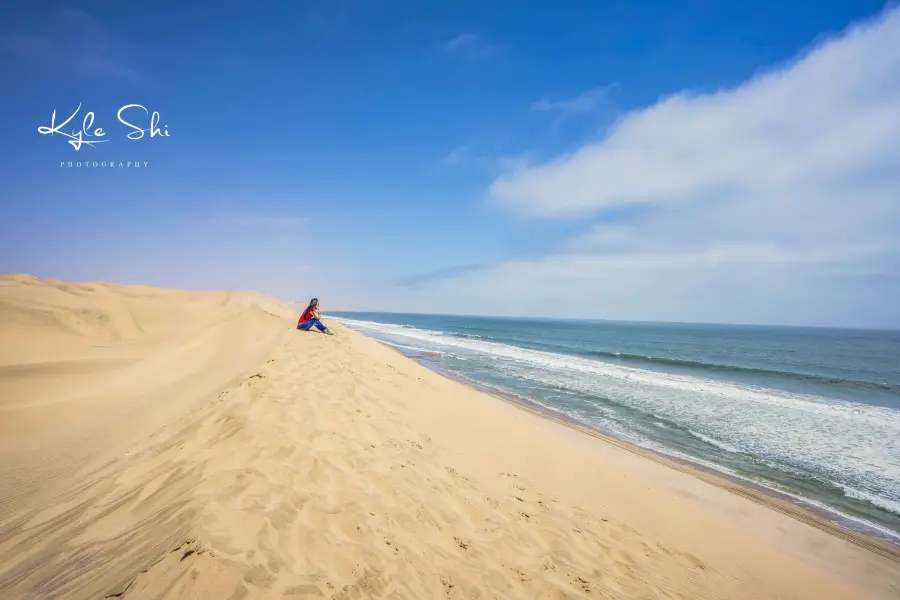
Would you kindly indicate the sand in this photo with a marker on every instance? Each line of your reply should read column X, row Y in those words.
column 171, row 444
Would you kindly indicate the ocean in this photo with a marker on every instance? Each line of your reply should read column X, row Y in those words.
column 812, row 414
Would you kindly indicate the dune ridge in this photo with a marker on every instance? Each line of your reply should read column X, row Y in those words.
column 85, row 368
column 195, row 445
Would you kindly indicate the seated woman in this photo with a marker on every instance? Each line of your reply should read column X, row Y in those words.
column 310, row 318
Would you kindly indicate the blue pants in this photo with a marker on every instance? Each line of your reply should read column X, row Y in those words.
column 307, row 325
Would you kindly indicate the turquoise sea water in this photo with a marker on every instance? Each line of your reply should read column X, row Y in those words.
column 813, row 413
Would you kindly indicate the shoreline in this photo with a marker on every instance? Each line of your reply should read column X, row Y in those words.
column 798, row 509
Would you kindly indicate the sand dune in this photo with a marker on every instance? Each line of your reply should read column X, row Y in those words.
column 86, row 368
column 168, row 444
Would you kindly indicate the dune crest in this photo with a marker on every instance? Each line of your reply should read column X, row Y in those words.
column 87, row 367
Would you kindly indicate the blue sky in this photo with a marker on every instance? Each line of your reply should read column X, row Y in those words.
column 727, row 162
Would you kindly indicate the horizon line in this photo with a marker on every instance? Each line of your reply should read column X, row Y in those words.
column 622, row 321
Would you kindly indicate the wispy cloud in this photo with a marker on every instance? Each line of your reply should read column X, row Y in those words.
column 73, row 41
column 583, row 103
column 422, row 279
column 456, row 157
column 469, row 45
column 253, row 221
column 466, row 157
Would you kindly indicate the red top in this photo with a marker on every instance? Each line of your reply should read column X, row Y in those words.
column 309, row 313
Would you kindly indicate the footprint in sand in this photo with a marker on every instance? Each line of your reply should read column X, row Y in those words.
column 464, row 544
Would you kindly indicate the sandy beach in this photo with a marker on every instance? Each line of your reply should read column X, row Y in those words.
column 159, row 444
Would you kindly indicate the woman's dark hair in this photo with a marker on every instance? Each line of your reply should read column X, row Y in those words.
column 312, row 303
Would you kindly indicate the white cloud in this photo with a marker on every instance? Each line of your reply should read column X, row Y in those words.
column 584, row 102
column 465, row 157
column 456, row 157
column 276, row 222
column 774, row 201
column 469, row 45
column 828, row 117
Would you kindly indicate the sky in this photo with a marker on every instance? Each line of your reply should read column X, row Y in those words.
column 732, row 162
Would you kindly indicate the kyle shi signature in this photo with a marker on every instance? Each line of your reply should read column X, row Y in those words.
column 89, row 135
